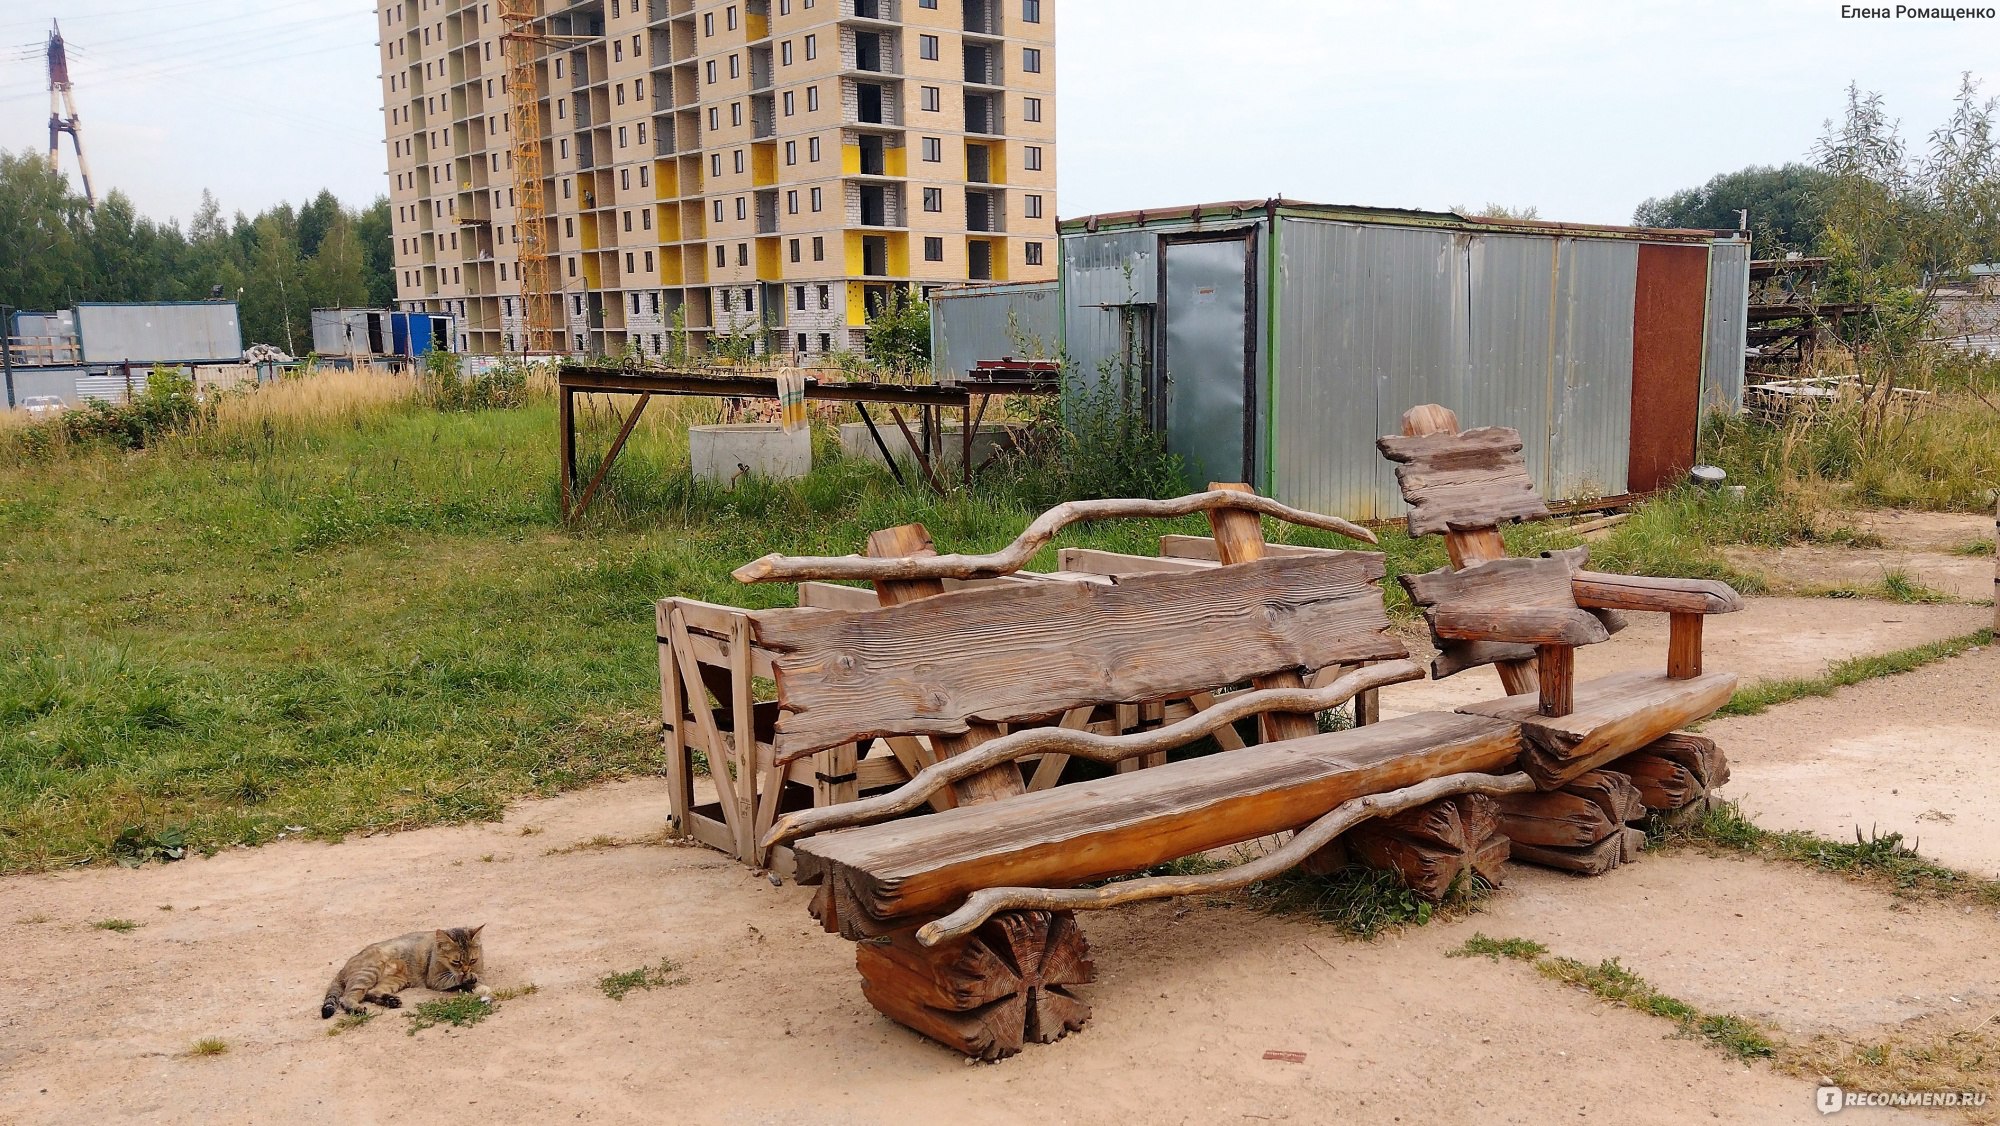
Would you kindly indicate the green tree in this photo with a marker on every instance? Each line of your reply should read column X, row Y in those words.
column 898, row 338
column 378, row 252
column 43, row 261
column 336, row 277
column 1784, row 210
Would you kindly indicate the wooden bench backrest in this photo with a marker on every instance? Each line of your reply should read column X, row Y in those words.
column 1465, row 481
column 1030, row 651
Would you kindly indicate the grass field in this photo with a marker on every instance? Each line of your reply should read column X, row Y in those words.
column 335, row 608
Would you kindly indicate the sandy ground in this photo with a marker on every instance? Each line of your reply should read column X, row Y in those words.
column 770, row 1027
column 1919, row 544
column 1913, row 754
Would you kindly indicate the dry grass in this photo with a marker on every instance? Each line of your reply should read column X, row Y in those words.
column 1935, row 1053
column 314, row 401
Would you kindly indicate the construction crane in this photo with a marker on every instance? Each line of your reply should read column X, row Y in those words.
column 61, row 98
column 522, row 43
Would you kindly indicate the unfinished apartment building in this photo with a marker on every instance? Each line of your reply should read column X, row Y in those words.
column 758, row 173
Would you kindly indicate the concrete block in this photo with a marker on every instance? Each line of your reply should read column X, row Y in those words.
column 856, row 442
column 724, row 454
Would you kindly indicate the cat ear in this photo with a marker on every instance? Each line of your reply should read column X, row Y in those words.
column 442, row 938
column 474, row 932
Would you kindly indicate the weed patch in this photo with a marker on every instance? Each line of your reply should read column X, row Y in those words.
column 208, row 1046
column 1881, row 859
column 666, row 974
column 1360, row 901
column 1611, row 981
column 1764, row 694
column 119, row 926
column 461, row 1010
column 348, row 1021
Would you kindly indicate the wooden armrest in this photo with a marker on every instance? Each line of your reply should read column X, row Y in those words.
column 1597, row 590
column 1523, row 625
column 1085, row 744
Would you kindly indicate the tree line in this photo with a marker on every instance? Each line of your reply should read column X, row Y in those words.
column 1895, row 219
column 279, row 265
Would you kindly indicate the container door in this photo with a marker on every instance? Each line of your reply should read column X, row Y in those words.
column 1207, row 353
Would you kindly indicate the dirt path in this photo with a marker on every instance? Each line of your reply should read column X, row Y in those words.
column 1912, row 754
column 1768, row 638
column 1924, row 546
column 771, row 1026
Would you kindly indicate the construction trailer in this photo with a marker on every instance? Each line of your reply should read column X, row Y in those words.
column 105, row 350
column 1272, row 341
column 364, row 334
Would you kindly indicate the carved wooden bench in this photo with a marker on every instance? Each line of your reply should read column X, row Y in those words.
column 1527, row 617
column 964, row 914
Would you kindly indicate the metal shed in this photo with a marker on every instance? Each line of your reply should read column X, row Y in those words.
column 164, row 332
column 1273, row 341
column 989, row 322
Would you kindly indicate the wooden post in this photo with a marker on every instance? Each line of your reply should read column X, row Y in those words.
column 566, row 422
column 1470, row 548
column 1239, row 538
column 673, row 737
column 1996, row 569
column 1557, row 680
column 1683, row 646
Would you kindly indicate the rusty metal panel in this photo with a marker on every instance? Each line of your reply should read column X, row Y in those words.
column 976, row 323
column 1371, row 321
column 1669, row 307
column 1727, row 326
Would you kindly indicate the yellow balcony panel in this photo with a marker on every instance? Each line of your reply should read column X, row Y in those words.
column 896, row 160
column 666, row 179
column 764, row 163
column 768, row 258
column 667, row 219
column 756, row 26
column 899, row 254
column 851, row 251
column 850, row 160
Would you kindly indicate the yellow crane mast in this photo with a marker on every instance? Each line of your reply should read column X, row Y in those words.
column 540, row 308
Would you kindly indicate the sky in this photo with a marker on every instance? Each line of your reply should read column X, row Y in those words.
column 1581, row 110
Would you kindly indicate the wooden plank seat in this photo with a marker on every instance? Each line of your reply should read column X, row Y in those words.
column 1527, row 616
column 965, row 911
column 921, row 867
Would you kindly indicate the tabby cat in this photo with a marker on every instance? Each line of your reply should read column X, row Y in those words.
column 442, row 960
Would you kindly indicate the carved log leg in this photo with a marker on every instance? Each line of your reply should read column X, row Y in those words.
column 1676, row 774
column 1436, row 845
column 986, row 995
column 1579, row 828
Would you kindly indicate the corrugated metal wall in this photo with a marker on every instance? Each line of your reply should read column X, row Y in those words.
column 990, row 322
column 1528, row 331
column 165, row 333
column 1105, row 277
column 1728, row 325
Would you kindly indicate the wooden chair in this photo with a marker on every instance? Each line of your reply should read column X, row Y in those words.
column 1527, row 616
column 964, row 914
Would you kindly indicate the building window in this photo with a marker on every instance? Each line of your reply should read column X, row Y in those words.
column 812, row 149
column 815, row 199
column 1033, row 251
column 718, row 211
column 931, row 99
column 1031, row 60
column 785, row 53
column 933, row 149
column 812, row 99
column 794, row 248
column 739, row 162
column 1031, row 158
column 721, row 260
column 825, row 342
column 742, row 208
column 649, row 269
column 802, row 343
column 621, row 136
column 711, row 72
column 646, row 220
column 708, row 24
column 730, row 15
column 791, row 152
column 736, row 66
column 788, row 103
column 628, row 222
column 736, row 113
column 819, row 255
column 743, row 254
column 933, row 199
column 812, row 47
column 621, row 93
column 629, row 268
column 715, row 165
column 643, row 181
column 792, row 202
column 934, row 249
column 1033, row 207
column 1031, row 109
column 714, row 118
column 927, row 46
column 799, row 302
column 927, row 4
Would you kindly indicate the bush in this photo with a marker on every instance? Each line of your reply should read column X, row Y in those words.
column 501, row 387
column 169, row 404
column 1092, row 443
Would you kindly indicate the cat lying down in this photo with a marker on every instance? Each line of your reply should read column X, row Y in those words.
column 444, row 960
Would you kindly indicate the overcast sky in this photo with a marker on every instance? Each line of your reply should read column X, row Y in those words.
column 1579, row 109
